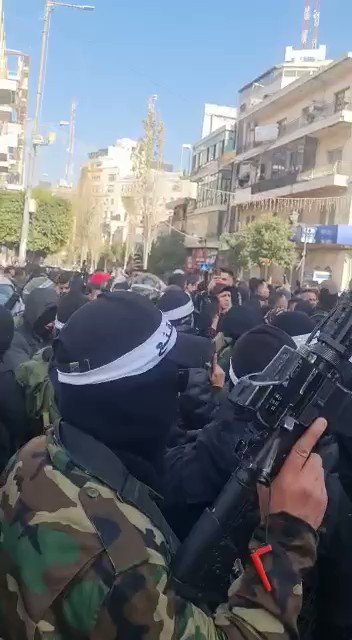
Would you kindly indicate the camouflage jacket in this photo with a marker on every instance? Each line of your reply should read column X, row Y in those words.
column 77, row 562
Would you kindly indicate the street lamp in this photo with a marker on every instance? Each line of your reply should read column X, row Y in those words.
column 50, row 5
column 189, row 147
column 71, row 144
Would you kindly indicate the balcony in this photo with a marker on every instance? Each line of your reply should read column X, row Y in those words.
column 275, row 183
column 315, row 182
column 315, row 117
column 314, row 122
column 211, row 199
column 8, row 90
column 5, row 113
column 207, row 169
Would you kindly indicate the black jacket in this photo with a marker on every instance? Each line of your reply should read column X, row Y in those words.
column 196, row 471
column 199, row 403
column 26, row 342
column 13, row 418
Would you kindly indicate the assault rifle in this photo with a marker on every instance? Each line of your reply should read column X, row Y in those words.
column 295, row 388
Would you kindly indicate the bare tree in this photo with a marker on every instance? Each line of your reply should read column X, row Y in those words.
column 148, row 160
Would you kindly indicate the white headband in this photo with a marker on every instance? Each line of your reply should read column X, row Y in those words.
column 59, row 325
column 232, row 374
column 299, row 340
column 141, row 359
column 180, row 312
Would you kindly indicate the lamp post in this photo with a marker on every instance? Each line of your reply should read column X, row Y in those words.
column 37, row 140
column 71, row 144
column 190, row 149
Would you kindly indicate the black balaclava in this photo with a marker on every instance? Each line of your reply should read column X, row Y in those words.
column 294, row 323
column 131, row 415
column 7, row 328
column 254, row 350
column 68, row 304
column 239, row 320
column 178, row 308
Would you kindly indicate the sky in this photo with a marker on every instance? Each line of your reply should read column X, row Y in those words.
column 187, row 52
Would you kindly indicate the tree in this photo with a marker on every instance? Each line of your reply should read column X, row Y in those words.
column 11, row 212
column 50, row 225
column 111, row 256
column 167, row 253
column 237, row 245
column 147, row 163
column 269, row 242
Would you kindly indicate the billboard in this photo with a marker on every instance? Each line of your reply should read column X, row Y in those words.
column 336, row 234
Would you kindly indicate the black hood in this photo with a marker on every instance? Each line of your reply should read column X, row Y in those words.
column 6, row 330
column 38, row 303
column 253, row 351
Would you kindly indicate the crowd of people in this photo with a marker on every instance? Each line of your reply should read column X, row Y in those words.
column 116, row 432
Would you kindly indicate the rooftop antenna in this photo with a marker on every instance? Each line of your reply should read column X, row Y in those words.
column 316, row 24
column 306, row 24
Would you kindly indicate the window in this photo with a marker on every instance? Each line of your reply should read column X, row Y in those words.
column 112, row 201
column 340, row 100
column 335, row 155
column 282, row 126
column 112, row 177
column 222, row 148
column 208, row 155
column 305, row 113
column 214, row 152
column 110, row 189
column 322, row 216
column 194, row 162
column 331, row 215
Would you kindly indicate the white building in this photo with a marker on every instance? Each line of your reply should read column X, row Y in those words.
column 109, row 187
column 14, row 72
column 211, row 170
column 107, row 171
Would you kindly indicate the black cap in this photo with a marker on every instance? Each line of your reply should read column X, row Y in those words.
column 295, row 323
column 121, row 335
column 254, row 350
column 175, row 303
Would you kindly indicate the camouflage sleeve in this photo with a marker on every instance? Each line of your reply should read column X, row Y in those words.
column 272, row 614
column 140, row 604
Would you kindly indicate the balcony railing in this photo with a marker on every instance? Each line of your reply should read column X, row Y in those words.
column 340, row 167
column 319, row 111
column 211, row 198
column 335, row 168
column 275, row 183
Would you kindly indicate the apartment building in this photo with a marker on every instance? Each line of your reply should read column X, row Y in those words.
column 105, row 175
column 110, row 192
column 294, row 145
column 211, row 171
column 14, row 73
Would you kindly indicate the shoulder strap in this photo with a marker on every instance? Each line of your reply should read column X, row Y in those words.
column 97, row 460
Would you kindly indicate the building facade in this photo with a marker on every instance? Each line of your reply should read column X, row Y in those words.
column 211, row 171
column 14, row 76
column 294, row 157
column 109, row 191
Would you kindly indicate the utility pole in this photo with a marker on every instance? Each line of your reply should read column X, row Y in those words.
column 71, row 146
column 37, row 140
column 33, row 147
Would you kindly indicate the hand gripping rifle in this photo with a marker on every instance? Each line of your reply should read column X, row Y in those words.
column 296, row 388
